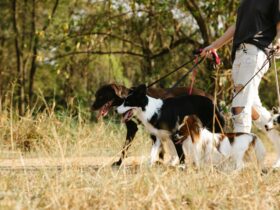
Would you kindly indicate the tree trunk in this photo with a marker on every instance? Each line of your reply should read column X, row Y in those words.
column 34, row 54
column 20, row 73
column 147, row 65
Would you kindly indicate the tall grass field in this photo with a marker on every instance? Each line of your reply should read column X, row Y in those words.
column 60, row 161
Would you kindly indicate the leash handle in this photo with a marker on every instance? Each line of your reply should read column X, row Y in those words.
column 168, row 74
column 214, row 54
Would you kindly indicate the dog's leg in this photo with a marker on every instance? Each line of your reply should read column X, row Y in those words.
column 196, row 153
column 263, row 120
column 225, row 147
column 240, row 146
column 274, row 137
column 260, row 152
column 187, row 148
column 180, row 153
column 155, row 151
column 209, row 153
column 170, row 150
column 131, row 128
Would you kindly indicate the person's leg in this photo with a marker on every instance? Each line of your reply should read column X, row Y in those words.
column 244, row 68
column 261, row 116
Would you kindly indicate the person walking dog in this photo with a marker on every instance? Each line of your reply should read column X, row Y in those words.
column 256, row 27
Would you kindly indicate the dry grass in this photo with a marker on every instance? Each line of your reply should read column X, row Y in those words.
column 135, row 187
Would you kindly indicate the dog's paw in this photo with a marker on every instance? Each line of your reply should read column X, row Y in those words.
column 182, row 167
column 276, row 165
column 174, row 161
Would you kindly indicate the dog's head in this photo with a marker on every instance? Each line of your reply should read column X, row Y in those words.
column 190, row 127
column 274, row 122
column 108, row 96
column 136, row 99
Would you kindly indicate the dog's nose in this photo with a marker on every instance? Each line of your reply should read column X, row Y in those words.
column 266, row 127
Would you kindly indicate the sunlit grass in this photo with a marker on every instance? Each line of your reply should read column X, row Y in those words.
column 135, row 187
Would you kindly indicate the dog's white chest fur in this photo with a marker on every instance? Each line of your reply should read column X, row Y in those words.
column 153, row 107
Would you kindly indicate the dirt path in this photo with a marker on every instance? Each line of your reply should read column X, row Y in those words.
column 80, row 162
column 76, row 162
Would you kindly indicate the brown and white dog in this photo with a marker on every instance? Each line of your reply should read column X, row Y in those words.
column 207, row 147
column 113, row 95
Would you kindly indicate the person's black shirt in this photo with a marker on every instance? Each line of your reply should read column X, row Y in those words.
column 256, row 23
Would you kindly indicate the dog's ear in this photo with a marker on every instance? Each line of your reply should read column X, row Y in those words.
column 195, row 124
column 117, row 90
column 197, row 120
column 142, row 89
column 186, row 119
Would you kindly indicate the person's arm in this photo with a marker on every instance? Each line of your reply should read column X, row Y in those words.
column 228, row 35
column 277, row 38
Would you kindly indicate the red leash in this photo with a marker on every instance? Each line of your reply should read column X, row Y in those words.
column 217, row 60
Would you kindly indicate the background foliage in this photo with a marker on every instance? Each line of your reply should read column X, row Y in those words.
column 63, row 50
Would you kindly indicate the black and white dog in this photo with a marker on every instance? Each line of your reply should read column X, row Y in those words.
column 112, row 95
column 161, row 117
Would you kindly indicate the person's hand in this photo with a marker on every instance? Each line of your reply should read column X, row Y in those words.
column 276, row 47
column 207, row 51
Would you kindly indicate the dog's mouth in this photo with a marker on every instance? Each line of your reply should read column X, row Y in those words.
column 127, row 115
column 104, row 109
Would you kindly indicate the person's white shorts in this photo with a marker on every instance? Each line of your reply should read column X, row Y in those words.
column 248, row 61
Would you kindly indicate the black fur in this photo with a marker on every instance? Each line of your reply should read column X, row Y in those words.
column 107, row 93
column 278, row 119
column 175, row 109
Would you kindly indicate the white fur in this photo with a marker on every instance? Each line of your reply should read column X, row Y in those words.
column 241, row 145
column 205, row 150
column 273, row 134
column 123, row 109
column 153, row 107
column 187, row 146
column 156, row 148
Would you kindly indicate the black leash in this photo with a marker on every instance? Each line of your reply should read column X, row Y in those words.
column 168, row 74
column 197, row 52
column 188, row 72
